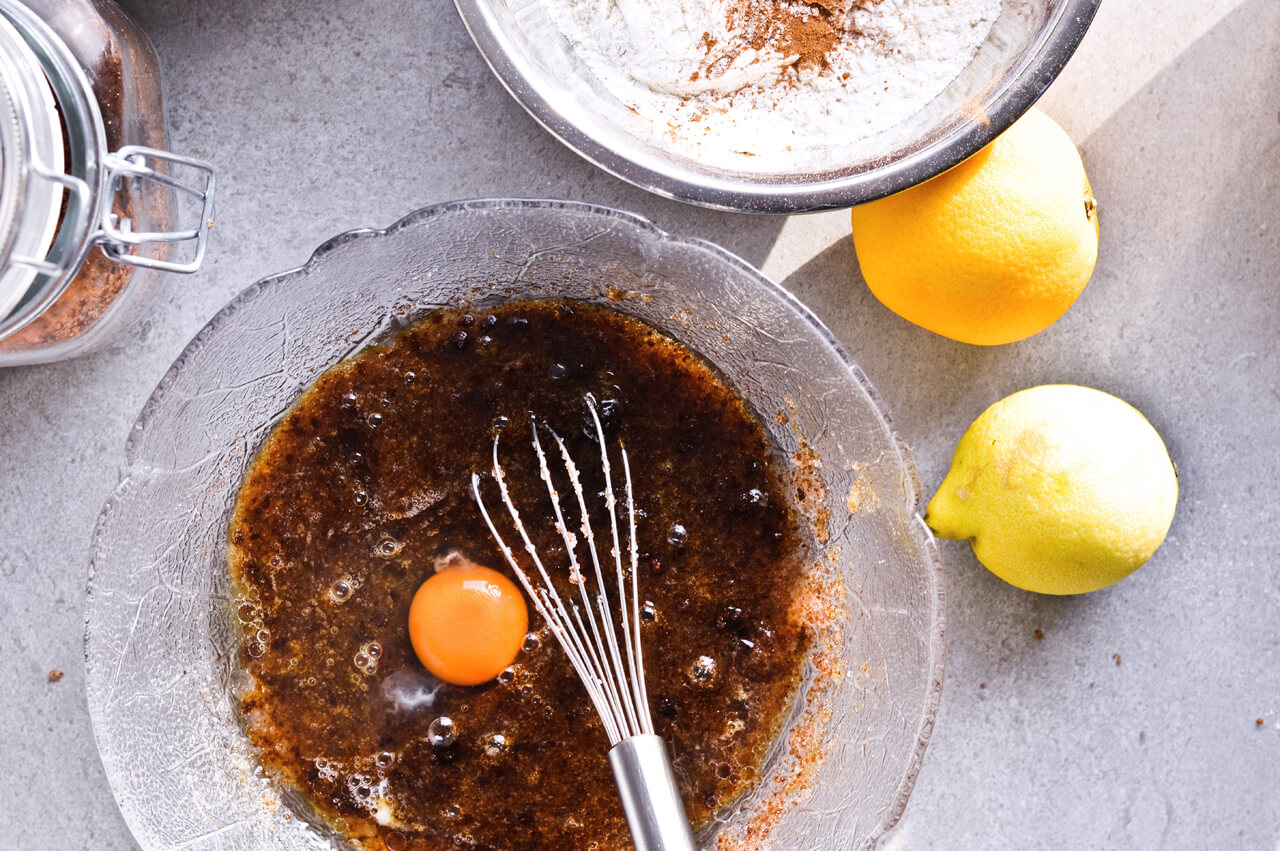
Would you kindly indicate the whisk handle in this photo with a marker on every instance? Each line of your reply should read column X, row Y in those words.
column 650, row 797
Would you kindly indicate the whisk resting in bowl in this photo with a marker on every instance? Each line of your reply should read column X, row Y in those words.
column 611, row 668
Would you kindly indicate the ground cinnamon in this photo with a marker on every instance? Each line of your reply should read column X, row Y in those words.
column 807, row 31
column 93, row 290
column 124, row 83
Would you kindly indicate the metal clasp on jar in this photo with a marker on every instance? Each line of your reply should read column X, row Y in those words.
column 79, row 201
column 116, row 235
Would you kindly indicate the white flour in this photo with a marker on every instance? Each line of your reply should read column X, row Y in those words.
column 758, row 109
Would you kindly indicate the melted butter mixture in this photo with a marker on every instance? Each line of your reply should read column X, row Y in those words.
column 363, row 490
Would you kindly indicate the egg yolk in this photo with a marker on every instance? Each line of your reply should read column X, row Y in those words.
column 466, row 623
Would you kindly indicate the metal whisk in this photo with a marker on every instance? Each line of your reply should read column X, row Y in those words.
column 611, row 669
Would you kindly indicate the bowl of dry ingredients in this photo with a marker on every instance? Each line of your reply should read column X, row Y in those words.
column 776, row 107
column 306, row 464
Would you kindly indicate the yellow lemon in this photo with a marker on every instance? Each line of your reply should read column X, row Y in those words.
column 1060, row 489
column 992, row 251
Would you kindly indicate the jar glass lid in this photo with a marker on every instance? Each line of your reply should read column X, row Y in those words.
column 31, row 163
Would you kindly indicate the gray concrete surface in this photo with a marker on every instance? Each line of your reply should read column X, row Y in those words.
column 325, row 115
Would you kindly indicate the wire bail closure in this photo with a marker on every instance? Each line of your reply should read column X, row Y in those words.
column 79, row 200
column 116, row 235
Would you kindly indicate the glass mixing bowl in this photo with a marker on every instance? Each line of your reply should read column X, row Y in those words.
column 1027, row 46
column 160, row 643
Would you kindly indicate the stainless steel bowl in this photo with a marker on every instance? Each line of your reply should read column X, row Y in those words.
column 1027, row 47
column 160, row 645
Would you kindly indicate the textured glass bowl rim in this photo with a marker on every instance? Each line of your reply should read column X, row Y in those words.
column 792, row 193
column 644, row 227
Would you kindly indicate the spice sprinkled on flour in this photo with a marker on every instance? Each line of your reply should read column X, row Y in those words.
column 784, row 82
column 805, row 32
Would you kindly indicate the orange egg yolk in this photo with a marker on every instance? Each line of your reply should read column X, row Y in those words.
column 467, row 623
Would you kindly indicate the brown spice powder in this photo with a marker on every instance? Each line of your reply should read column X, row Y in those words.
column 85, row 301
column 807, row 31
column 100, row 280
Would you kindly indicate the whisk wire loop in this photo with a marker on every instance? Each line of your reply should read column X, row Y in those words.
column 587, row 631
column 637, row 665
column 547, row 600
column 612, row 669
column 609, row 647
column 597, row 653
column 611, row 503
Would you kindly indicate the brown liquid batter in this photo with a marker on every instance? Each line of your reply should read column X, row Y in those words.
column 364, row 489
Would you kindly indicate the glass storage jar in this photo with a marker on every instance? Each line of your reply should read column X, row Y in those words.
column 89, row 198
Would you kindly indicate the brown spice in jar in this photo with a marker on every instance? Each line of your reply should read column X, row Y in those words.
column 93, row 290
column 119, row 77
